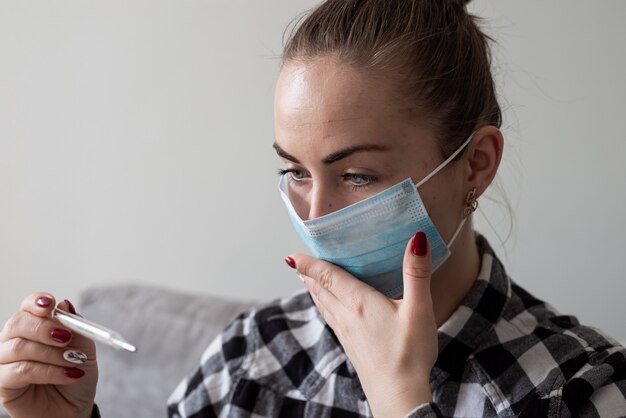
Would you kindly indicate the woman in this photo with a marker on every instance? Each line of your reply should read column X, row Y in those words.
column 407, row 311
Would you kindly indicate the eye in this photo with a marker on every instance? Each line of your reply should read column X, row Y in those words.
column 294, row 174
column 297, row 175
column 359, row 180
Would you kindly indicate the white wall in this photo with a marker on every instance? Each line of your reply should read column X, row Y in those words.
column 135, row 145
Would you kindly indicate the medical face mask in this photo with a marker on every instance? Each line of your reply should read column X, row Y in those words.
column 368, row 238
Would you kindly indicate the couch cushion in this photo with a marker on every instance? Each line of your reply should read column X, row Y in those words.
column 169, row 329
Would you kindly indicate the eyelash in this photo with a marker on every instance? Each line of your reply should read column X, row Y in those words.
column 355, row 187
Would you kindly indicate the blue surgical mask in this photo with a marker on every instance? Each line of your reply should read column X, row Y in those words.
column 368, row 238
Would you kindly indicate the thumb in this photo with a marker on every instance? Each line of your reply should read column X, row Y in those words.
column 416, row 269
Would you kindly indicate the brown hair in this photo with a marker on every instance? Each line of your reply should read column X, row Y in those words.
column 434, row 49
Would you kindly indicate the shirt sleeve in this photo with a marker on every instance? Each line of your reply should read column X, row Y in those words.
column 208, row 390
column 598, row 388
column 427, row 410
column 595, row 387
column 95, row 412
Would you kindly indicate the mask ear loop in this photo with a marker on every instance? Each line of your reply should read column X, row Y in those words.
column 446, row 162
column 470, row 201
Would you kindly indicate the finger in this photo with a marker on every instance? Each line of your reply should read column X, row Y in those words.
column 21, row 349
column 350, row 291
column 417, row 269
column 39, row 304
column 322, row 299
column 22, row 373
column 78, row 341
column 44, row 330
column 67, row 306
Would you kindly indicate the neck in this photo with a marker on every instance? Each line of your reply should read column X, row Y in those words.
column 454, row 279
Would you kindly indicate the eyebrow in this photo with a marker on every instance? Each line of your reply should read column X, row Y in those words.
column 335, row 156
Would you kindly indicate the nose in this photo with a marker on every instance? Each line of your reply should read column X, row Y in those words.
column 322, row 201
column 319, row 207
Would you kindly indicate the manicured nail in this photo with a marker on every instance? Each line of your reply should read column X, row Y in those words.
column 290, row 262
column 61, row 335
column 419, row 246
column 76, row 357
column 74, row 373
column 70, row 307
column 43, row 301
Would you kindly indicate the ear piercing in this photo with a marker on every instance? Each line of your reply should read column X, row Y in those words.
column 470, row 203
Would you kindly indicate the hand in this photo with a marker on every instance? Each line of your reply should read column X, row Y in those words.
column 392, row 344
column 36, row 380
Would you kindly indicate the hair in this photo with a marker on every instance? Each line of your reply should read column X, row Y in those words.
column 433, row 50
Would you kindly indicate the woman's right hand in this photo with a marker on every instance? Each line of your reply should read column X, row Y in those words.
column 41, row 373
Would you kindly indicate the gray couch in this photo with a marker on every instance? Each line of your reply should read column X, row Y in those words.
column 170, row 330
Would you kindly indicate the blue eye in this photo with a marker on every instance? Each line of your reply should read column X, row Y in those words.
column 294, row 175
column 359, row 180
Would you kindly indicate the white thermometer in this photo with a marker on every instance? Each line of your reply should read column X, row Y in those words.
column 92, row 330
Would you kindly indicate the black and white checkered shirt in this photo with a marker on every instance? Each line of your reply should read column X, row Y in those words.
column 503, row 353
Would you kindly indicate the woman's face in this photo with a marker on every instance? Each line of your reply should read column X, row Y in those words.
column 343, row 137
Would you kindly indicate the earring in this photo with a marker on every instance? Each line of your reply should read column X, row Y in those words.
column 470, row 203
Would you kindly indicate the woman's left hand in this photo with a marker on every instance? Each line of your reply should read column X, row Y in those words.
column 392, row 344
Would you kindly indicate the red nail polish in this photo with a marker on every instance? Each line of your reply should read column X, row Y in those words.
column 290, row 262
column 43, row 301
column 419, row 246
column 61, row 335
column 74, row 373
column 70, row 307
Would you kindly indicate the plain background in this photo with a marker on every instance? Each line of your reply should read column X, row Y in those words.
column 135, row 146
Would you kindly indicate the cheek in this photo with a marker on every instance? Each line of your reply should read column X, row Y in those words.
column 443, row 202
column 300, row 202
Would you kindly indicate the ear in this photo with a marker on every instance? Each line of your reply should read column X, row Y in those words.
column 483, row 157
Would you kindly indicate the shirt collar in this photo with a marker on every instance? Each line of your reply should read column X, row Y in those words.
column 480, row 310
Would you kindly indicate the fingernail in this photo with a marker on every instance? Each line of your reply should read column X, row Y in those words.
column 301, row 278
column 419, row 246
column 70, row 307
column 61, row 335
column 290, row 262
column 76, row 357
column 43, row 301
column 74, row 373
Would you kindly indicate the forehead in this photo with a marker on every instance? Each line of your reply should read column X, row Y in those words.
column 321, row 90
column 322, row 105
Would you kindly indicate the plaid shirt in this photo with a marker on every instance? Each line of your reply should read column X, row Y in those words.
column 503, row 353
